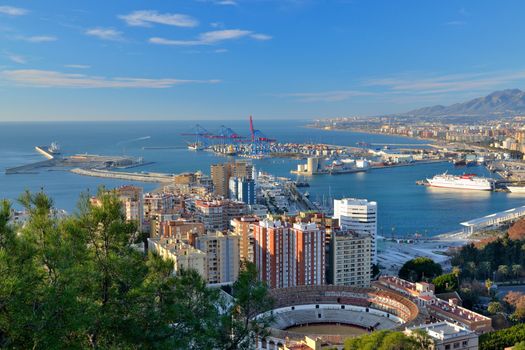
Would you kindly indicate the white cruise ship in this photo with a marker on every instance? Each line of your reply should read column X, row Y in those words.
column 463, row 182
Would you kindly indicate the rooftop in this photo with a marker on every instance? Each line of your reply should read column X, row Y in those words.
column 502, row 215
column 443, row 330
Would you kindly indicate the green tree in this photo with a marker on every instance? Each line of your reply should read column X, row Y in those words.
column 80, row 283
column 456, row 271
column 495, row 307
column 519, row 346
column 390, row 340
column 420, row 268
column 247, row 320
column 516, row 270
column 445, row 283
column 503, row 270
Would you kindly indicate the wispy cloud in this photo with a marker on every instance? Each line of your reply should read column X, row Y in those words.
column 213, row 37
column 146, row 18
column 77, row 66
column 105, row 33
column 447, row 83
column 48, row 78
column 16, row 58
column 326, row 96
column 226, row 2
column 13, row 11
column 38, row 38
column 455, row 23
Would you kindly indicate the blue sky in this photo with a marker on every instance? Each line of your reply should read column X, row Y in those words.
column 226, row 59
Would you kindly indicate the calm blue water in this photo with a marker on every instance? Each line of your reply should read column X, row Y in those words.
column 404, row 207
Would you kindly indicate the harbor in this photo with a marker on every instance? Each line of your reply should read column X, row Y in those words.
column 55, row 160
column 385, row 184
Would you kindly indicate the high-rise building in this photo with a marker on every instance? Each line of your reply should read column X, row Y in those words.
column 216, row 215
column 222, row 256
column 221, row 173
column 360, row 216
column 350, row 259
column 243, row 227
column 220, row 176
column 242, row 190
column 288, row 256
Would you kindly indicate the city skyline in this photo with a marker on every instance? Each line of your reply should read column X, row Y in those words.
column 291, row 59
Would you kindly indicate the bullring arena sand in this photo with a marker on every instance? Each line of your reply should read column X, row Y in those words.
column 339, row 329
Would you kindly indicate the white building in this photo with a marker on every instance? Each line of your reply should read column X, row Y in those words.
column 448, row 336
column 360, row 216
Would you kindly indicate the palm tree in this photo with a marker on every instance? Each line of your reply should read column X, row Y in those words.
column 503, row 270
column 516, row 270
column 487, row 267
column 488, row 285
column 456, row 271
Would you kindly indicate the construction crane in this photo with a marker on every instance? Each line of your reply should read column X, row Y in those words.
column 260, row 142
column 201, row 135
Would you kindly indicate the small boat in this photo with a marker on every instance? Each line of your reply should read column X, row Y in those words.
column 196, row 146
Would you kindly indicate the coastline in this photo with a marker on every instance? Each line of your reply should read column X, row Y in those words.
column 373, row 132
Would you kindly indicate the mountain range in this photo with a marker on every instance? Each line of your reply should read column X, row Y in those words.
column 505, row 102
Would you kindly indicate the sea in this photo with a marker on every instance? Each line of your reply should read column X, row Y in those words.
column 404, row 208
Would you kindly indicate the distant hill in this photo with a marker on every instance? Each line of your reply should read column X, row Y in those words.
column 505, row 102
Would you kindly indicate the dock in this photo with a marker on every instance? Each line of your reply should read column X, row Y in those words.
column 139, row 177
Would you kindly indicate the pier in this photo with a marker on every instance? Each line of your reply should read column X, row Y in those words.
column 139, row 177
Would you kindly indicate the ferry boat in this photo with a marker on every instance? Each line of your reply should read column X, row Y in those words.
column 516, row 189
column 462, row 182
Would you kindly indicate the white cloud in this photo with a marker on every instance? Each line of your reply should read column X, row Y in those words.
column 326, row 96
column 145, row 18
column 213, row 37
column 447, row 83
column 47, row 78
column 38, row 38
column 261, row 37
column 13, row 11
column 226, row 2
column 16, row 58
column 105, row 33
column 77, row 66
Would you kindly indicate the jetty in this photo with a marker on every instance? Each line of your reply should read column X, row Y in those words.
column 139, row 177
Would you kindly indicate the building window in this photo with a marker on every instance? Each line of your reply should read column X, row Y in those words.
column 317, row 306
column 456, row 345
column 318, row 315
column 447, row 347
column 465, row 343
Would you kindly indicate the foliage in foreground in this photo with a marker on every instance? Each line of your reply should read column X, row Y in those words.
column 502, row 338
column 79, row 283
column 389, row 340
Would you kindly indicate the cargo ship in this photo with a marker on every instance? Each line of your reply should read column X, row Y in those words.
column 462, row 182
